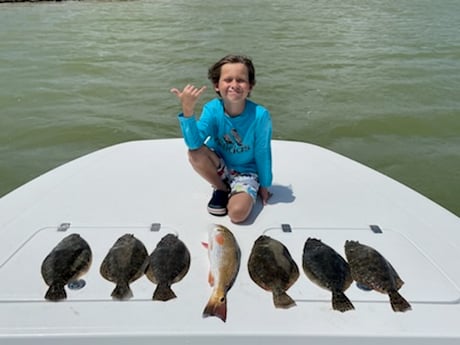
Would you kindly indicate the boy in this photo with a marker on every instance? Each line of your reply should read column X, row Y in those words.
column 230, row 145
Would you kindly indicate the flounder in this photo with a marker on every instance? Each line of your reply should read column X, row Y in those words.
column 369, row 268
column 168, row 264
column 69, row 260
column 329, row 270
column 124, row 263
column 224, row 258
column 271, row 266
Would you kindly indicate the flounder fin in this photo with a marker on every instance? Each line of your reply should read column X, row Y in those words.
column 163, row 292
column 398, row 303
column 56, row 293
column 341, row 302
column 283, row 300
column 122, row 291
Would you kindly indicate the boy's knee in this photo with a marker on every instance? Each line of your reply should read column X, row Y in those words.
column 238, row 213
column 237, row 218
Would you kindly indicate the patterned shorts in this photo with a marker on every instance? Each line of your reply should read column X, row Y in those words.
column 239, row 182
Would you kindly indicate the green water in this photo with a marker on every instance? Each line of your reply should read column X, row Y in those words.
column 377, row 81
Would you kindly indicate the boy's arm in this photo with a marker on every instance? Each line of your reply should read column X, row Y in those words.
column 188, row 98
column 263, row 154
column 196, row 132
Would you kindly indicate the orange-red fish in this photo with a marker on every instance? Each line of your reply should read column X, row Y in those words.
column 224, row 258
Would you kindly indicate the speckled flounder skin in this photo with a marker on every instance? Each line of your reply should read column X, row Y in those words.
column 168, row 264
column 124, row 263
column 329, row 270
column 69, row 260
column 271, row 266
column 369, row 268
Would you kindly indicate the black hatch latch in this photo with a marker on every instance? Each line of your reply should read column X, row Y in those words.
column 155, row 227
column 376, row 229
column 63, row 227
column 286, row 227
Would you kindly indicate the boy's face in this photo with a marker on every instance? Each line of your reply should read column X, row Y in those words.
column 233, row 84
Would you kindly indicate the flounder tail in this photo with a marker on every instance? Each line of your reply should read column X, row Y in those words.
column 341, row 302
column 216, row 307
column 56, row 293
column 398, row 303
column 283, row 300
column 163, row 292
column 122, row 291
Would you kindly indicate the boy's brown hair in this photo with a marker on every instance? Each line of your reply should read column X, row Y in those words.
column 214, row 70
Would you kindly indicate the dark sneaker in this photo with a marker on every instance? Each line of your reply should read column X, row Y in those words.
column 217, row 206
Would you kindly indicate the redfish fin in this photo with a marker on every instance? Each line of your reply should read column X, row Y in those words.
column 56, row 293
column 217, row 308
column 283, row 300
column 398, row 303
column 341, row 302
column 210, row 279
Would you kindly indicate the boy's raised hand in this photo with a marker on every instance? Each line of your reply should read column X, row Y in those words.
column 188, row 98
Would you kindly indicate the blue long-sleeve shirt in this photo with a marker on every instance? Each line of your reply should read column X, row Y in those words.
column 243, row 141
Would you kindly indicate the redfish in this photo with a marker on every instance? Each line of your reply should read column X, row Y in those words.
column 224, row 257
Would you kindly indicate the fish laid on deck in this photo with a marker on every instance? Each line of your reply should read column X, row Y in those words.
column 329, row 270
column 224, row 258
column 168, row 264
column 69, row 260
column 124, row 263
column 271, row 266
column 369, row 268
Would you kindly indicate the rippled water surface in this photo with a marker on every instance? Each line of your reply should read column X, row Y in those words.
column 377, row 81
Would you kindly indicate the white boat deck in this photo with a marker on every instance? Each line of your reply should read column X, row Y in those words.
column 127, row 188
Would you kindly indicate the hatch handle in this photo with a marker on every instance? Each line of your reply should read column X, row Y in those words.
column 63, row 227
column 286, row 227
column 376, row 229
column 155, row 227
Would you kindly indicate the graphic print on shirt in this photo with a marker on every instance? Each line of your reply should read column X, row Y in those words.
column 232, row 142
column 236, row 136
column 227, row 139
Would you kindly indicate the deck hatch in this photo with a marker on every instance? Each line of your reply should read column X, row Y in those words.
column 21, row 271
column 424, row 281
